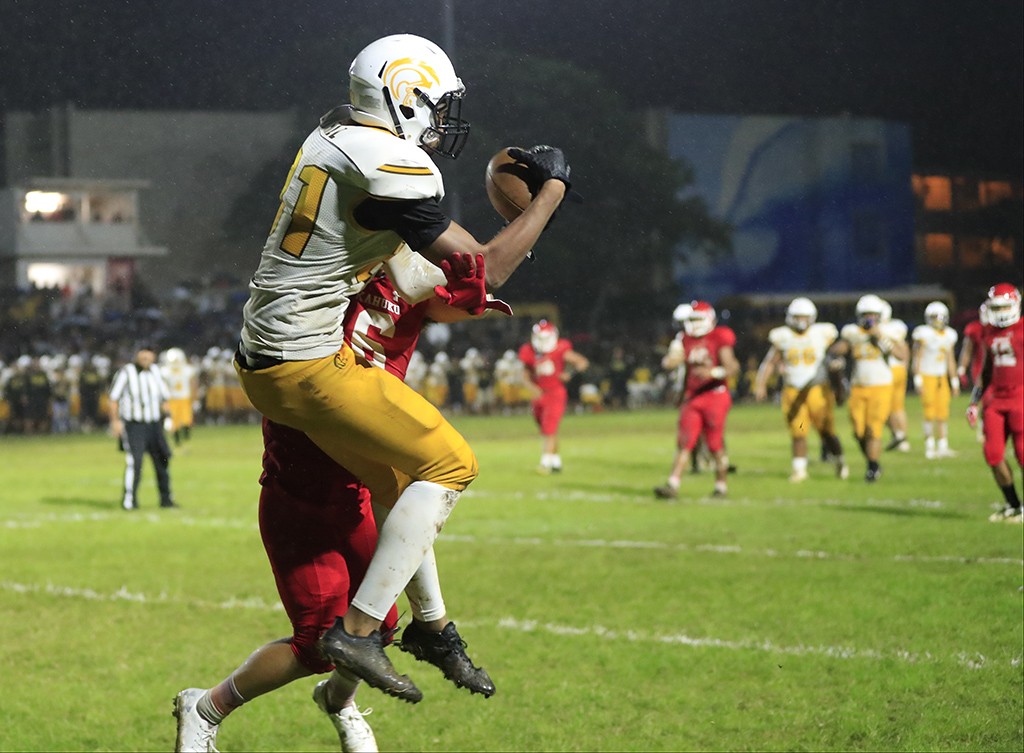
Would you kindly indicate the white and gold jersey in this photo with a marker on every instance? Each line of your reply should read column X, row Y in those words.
column 803, row 353
column 896, row 330
column 180, row 378
column 870, row 367
column 317, row 256
column 934, row 347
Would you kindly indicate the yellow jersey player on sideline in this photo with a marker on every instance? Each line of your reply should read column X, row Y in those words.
column 896, row 329
column 798, row 351
column 362, row 184
column 871, row 383
column 182, row 386
column 935, row 377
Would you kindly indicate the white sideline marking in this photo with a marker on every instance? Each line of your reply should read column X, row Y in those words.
column 727, row 549
column 156, row 518
column 968, row 659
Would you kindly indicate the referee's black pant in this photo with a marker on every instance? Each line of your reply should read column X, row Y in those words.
column 140, row 438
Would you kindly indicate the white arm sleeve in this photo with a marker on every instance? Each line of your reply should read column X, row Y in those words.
column 412, row 275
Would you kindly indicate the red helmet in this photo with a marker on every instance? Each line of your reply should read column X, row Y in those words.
column 701, row 320
column 1003, row 308
column 544, row 337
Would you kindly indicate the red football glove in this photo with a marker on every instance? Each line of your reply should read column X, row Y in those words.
column 467, row 287
column 972, row 414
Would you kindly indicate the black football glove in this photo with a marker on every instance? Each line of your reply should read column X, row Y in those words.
column 543, row 163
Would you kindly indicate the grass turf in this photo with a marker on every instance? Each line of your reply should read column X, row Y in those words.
column 828, row 615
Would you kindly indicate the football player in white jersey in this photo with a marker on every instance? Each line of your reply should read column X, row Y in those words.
column 798, row 352
column 896, row 329
column 361, row 185
column 871, row 383
column 183, row 386
column 935, row 376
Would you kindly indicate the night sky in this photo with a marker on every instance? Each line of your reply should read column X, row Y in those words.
column 950, row 68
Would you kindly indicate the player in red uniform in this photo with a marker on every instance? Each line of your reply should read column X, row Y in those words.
column 320, row 532
column 972, row 356
column 1000, row 388
column 545, row 358
column 707, row 350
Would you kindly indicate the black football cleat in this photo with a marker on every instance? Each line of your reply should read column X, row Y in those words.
column 446, row 651
column 365, row 658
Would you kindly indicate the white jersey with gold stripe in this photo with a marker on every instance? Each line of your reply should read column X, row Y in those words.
column 935, row 345
column 803, row 353
column 179, row 377
column 317, row 256
column 870, row 367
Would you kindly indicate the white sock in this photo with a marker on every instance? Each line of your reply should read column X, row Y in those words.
column 547, row 460
column 799, row 465
column 927, row 427
column 405, row 538
column 943, row 443
column 556, row 460
column 929, row 443
column 424, row 589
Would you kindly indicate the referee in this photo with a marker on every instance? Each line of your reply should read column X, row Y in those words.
column 138, row 399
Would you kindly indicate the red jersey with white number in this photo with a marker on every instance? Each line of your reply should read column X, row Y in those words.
column 973, row 332
column 1005, row 349
column 546, row 369
column 705, row 351
column 383, row 328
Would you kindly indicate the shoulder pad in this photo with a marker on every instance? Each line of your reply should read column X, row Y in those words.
column 391, row 168
column 778, row 335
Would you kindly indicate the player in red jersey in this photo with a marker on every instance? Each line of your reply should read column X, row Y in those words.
column 972, row 353
column 319, row 532
column 545, row 358
column 1000, row 389
column 706, row 348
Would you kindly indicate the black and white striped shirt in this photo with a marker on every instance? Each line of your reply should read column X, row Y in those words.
column 139, row 393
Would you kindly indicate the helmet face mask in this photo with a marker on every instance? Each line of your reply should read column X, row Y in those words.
column 870, row 311
column 406, row 84
column 701, row 320
column 544, row 337
column 1003, row 305
column 936, row 314
column 801, row 314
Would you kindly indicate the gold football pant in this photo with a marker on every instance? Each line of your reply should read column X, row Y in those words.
column 869, row 409
column 935, row 397
column 813, row 405
column 366, row 419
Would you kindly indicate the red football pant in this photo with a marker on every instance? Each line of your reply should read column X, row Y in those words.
column 1003, row 418
column 548, row 410
column 704, row 414
column 319, row 533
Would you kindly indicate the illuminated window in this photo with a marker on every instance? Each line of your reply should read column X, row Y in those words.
column 43, row 202
column 938, row 249
column 973, row 252
column 933, row 192
column 994, row 191
column 1002, row 251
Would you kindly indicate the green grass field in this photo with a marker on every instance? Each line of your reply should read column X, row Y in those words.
column 826, row 616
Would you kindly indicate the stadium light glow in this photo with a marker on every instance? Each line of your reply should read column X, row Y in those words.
column 45, row 202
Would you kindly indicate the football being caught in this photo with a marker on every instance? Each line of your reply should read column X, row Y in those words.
column 507, row 185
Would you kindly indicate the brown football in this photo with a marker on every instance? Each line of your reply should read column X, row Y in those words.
column 507, row 185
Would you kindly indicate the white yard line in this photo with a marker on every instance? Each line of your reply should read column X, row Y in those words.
column 710, row 548
column 968, row 659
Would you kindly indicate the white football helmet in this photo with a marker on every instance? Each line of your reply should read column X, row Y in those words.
column 681, row 314
column 544, row 337
column 407, row 84
column 174, row 355
column 702, row 319
column 936, row 314
column 801, row 314
column 870, row 310
column 1003, row 305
